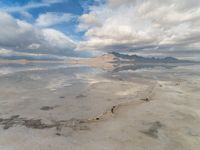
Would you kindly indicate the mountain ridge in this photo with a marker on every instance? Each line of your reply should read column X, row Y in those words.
column 141, row 59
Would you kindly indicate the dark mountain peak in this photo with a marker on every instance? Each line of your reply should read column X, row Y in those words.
column 142, row 59
column 124, row 56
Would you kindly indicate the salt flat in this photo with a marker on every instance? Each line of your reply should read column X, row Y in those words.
column 79, row 108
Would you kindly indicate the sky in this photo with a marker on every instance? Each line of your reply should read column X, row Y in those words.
column 83, row 28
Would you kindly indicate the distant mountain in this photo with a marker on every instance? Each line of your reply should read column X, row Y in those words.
column 140, row 59
column 117, row 62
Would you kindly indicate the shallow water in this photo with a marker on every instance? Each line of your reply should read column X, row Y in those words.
column 59, row 97
column 39, row 85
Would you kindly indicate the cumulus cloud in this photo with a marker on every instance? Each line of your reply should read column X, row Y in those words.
column 88, row 21
column 56, row 39
column 19, row 35
column 52, row 18
column 142, row 24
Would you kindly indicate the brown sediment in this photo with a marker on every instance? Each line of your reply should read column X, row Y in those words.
column 145, row 99
column 153, row 130
column 16, row 120
column 81, row 96
column 46, row 108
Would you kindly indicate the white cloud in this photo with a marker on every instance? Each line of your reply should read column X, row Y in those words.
column 30, row 5
column 114, row 3
column 134, row 24
column 51, row 18
column 26, row 14
column 19, row 35
column 57, row 39
column 15, row 32
column 88, row 20
column 34, row 46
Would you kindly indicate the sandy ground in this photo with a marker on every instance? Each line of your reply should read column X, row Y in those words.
column 82, row 111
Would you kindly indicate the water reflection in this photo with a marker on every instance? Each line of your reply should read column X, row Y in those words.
column 142, row 66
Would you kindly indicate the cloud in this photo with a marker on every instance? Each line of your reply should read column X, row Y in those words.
column 115, row 3
column 26, row 14
column 14, row 32
column 19, row 35
column 134, row 25
column 88, row 21
column 34, row 46
column 30, row 5
column 52, row 18
column 57, row 39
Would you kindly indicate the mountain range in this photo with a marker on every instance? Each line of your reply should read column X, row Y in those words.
column 123, row 58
